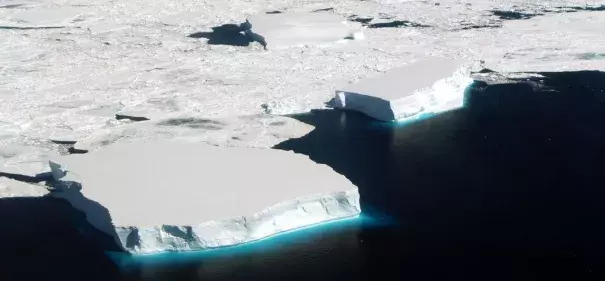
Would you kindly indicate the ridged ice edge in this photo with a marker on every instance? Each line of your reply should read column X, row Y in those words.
column 445, row 94
column 285, row 216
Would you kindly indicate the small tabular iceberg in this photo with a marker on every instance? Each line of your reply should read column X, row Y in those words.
column 168, row 196
column 430, row 85
column 284, row 30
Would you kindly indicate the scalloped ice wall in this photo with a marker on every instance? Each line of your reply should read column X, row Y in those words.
column 167, row 196
column 430, row 85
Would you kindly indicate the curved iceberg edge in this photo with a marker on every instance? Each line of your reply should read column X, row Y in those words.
column 285, row 216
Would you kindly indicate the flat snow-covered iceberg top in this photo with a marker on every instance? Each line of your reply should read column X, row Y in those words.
column 430, row 85
column 284, row 30
column 169, row 196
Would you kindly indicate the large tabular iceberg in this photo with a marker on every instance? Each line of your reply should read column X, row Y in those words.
column 167, row 196
column 430, row 85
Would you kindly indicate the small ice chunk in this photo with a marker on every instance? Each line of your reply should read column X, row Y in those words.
column 427, row 86
column 283, row 30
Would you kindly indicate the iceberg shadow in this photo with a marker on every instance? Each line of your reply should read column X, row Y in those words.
column 97, row 221
column 226, row 34
column 42, row 238
column 89, row 216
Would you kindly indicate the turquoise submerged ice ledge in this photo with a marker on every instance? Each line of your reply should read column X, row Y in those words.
column 429, row 86
column 286, row 216
column 127, row 261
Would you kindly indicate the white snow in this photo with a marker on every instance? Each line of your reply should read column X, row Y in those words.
column 285, row 30
column 168, row 196
column 430, row 85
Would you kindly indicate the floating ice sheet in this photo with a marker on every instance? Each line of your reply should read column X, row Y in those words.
column 165, row 196
column 427, row 86
column 283, row 30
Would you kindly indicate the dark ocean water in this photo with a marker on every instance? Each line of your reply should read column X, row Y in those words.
column 511, row 187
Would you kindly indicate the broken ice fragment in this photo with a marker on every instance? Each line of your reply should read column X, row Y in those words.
column 430, row 85
column 283, row 30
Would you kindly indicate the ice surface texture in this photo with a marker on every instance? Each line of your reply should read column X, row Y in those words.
column 166, row 196
column 427, row 86
column 283, row 30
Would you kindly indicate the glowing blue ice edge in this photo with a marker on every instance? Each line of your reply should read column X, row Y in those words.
column 125, row 261
column 448, row 95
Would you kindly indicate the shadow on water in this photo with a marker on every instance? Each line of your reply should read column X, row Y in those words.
column 226, row 34
column 46, row 237
column 508, row 187
column 42, row 239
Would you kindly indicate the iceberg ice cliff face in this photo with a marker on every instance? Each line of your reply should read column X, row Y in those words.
column 166, row 196
column 430, row 85
column 285, row 216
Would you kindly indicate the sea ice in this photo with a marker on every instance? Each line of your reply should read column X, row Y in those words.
column 47, row 17
column 427, row 86
column 166, row 196
column 283, row 30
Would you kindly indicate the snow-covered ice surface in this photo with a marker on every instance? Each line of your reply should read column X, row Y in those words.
column 286, row 30
column 167, row 196
column 67, row 67
column 430, row 85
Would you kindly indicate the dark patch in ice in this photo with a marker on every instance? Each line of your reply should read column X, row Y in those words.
column 538, row 149
column 591, row 56
column 365, row 21
column 73, row 150
column 227, row 34
column 186, row 235
column 7, row 154
column 486, row 70
column 65, row 142
column 277, row 123
column 515, row 15
column 331, row 103
column 476, row 26
column 323, row 10
column 29, row 27
column 273, row 12
column 194, row 123
column 131, row 118
column 11, row 6
column 355, row 18
column 512, row 15
column 589, row 9
column 133, row 240
column 593, row 9
column 266, row 108
column 395, row 24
